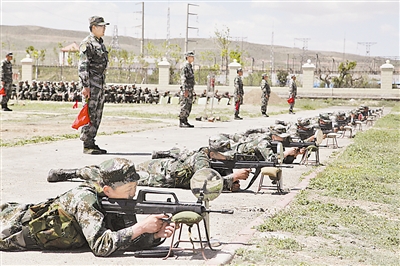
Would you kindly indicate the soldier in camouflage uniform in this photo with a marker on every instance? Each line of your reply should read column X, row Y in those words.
column 292, row 93
column 172, row 169
column 187, row 90
column 266, row 92
column 92, row 67
column 238, row 93
column 6, row 81
column 115, row 178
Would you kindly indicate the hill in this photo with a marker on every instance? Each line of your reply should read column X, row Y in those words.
column 17, row 38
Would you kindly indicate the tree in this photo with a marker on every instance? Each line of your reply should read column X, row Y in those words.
column 223, row 41
column 282, row 77
column 345, row 78
column 37, row 55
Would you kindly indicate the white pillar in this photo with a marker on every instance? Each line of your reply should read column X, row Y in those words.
column 27, row 63
column 387, row 76
column 233, row 71
column 163, row 74
column 308, row 75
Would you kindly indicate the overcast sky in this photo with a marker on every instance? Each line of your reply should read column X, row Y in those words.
column 339, row 25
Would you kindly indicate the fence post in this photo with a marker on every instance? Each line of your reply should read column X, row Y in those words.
column 387, row 76
column 27, row 69
column 308, row 75
column 232, row 71
column 163, row 73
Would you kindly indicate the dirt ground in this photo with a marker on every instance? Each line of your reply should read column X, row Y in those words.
column 27, row 124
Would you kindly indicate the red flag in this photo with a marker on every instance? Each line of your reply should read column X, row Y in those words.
column 82, row 118
column 75, row 105
column 2, row 92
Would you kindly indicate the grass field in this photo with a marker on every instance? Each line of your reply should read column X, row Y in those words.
column 350, row 213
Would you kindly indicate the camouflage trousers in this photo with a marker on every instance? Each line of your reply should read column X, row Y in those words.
column 96, row 105
column 186, row 104
column 8, row 91
column 264, row 104
column 12, row 235
column 172, row 172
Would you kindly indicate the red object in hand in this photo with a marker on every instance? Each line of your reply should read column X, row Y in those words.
column 290, row 100
column 83, row 118
column 2, row 92
column 75, row 105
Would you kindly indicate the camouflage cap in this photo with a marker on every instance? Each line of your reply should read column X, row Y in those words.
column 9, row 54
column 190, row 53
column 98, row 21
column 264, row 75
column 239, row 70
column 118, row 171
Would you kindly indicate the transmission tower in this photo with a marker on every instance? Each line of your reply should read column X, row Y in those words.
column 305, row 42
column 367, row 47
column 114, row 41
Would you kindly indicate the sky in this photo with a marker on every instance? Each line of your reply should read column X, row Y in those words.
column 344, row 26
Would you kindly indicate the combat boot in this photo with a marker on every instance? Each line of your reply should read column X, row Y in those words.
column 182, row 123
column 4, row 107
column 187, row 123
column 93, row 149
column 161, row 155
column 59, row 175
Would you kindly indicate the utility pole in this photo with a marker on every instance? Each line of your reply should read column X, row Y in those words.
column 272, row 55
column 168, row 33
column 187, row 25
column 142, row 40
column 367, row 47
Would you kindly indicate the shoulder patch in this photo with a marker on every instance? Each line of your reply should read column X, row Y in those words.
column 83, row 47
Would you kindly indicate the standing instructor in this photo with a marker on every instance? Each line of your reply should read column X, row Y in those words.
column 187, row 89
column 6, row 81
column 93, row 60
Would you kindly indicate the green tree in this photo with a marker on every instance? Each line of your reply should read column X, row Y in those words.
column 282, row 77
column 345, row 78
column 223, row 40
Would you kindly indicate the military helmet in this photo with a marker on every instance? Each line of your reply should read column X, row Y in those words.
column 189, row 53
column 118, row 171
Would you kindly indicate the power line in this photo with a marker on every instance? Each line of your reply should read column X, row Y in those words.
column 367, row 47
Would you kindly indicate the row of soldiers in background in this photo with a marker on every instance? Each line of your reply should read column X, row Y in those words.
column 131, row 94
column 46, row 91
column 333, row 122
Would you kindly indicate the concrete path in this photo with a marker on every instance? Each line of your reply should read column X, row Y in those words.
column 24, row 171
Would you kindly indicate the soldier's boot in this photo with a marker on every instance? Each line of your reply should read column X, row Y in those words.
column 4, row 107
column 187, row 123
column 93, row 149
column 59, row 175
column 182, row 123
column 264, row 114
column 237, row 117
column 161, row 155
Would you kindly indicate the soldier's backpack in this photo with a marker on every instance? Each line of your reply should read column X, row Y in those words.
column 53, row 228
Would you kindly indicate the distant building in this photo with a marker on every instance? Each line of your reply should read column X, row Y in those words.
column 68, row 55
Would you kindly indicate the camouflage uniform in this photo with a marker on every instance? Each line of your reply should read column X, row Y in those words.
column 102, row 236
column 187, row 81
column 266, row 92
column 292, row 93
column 6, row 76
column 176, row 171
column 92, row 67
column 251, row 145
column 238, row 94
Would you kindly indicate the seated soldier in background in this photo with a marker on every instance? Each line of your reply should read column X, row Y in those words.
column 171, row 169
column 90, row 226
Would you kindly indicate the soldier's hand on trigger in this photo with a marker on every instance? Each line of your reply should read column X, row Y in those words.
column 86, row 92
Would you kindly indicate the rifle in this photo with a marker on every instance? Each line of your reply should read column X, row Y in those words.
column 142, row 205
column 235, row 164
